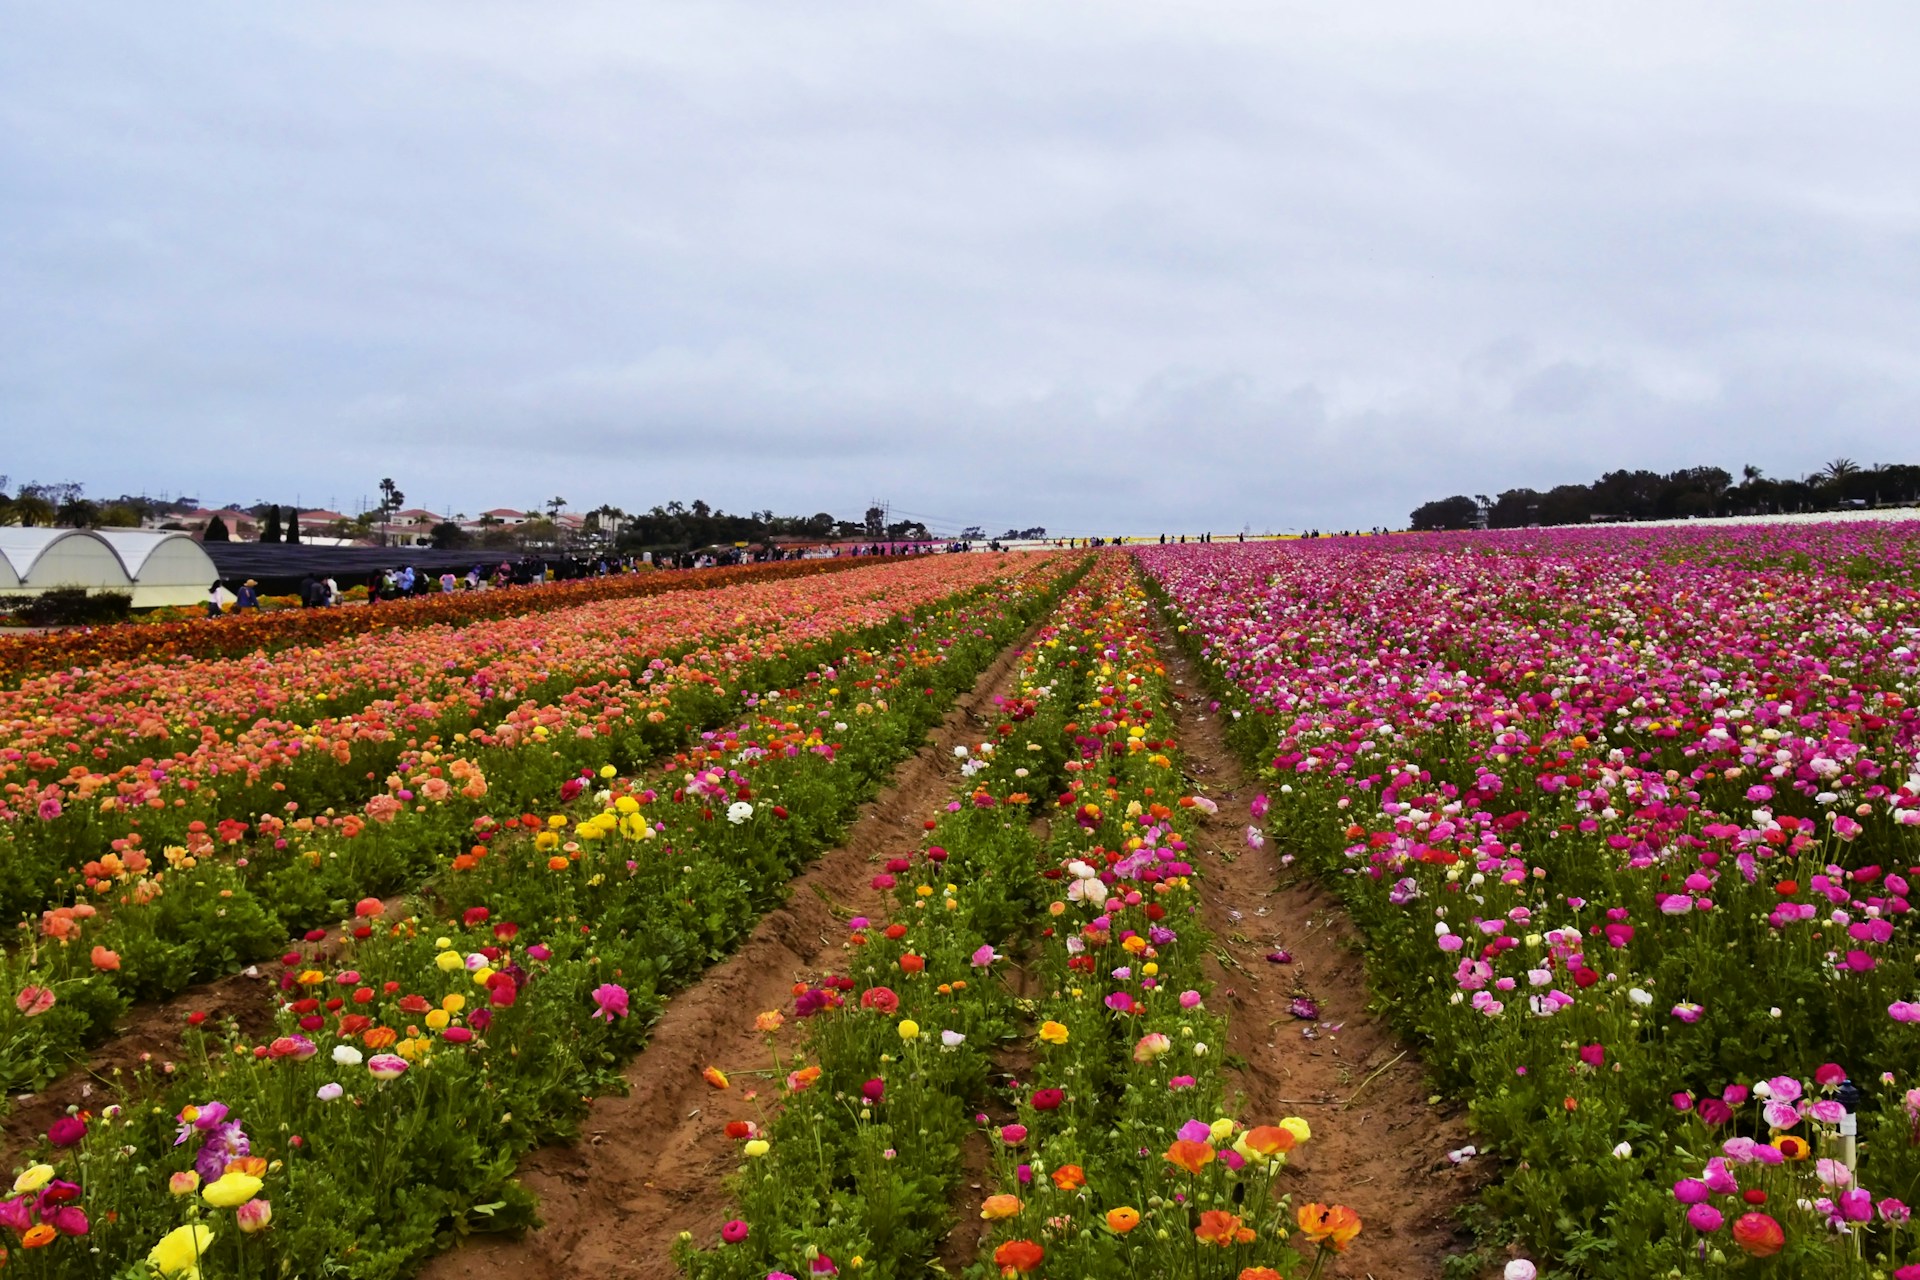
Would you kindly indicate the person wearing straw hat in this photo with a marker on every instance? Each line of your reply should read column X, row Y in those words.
column 248, row 597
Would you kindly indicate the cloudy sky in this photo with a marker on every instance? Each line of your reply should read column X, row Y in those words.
column 1102, row 266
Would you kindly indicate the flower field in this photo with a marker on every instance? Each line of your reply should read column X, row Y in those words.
column 148, row 913
column 1627, row 818
column 425, row 1039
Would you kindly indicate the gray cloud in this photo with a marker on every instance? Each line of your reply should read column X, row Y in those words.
column 1115, row 265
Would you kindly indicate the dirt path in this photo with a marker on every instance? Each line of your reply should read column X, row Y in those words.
column 1377, row 1145
column 652, row 1164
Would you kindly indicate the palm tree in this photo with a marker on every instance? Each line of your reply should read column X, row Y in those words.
column 1840, row 469
column 1750, row 473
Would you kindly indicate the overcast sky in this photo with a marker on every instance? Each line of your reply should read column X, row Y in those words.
column 1101, row 266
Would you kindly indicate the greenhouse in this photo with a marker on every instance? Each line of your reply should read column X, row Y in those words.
column 156, row 568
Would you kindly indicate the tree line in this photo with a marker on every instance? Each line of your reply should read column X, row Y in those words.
column 1694, row 492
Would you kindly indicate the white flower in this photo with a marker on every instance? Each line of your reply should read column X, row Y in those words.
column 738, row 812
column 960, row 753
column 1622, row 1151
column 346, row 1055
column 952, row 1039
column 1639, row 997
column 1464, row 1154
column 1200, row 1049
column 1520, row 1269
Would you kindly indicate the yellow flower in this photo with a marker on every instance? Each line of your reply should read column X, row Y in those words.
column 231, row 1190
column 36, row 1177
column 1221, row 1129
column 1053, row 1032
column 608, row 771
column 627, row 804
column 757, row 1148
column 1297, row 1127
column 546, row 840
column 558, row 821
column 438, row 1019
column 482, row 976
column 178, row 1253
column 908, row 1028
column 453, row 1003
column 449, row 961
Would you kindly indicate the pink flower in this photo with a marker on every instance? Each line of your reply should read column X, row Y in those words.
column 34, row 1001
column 67, row 1131
column 734, row 1232
column 612, row 999
column 1013, row 1134
column 1705, row 1218
column 1690, row 1191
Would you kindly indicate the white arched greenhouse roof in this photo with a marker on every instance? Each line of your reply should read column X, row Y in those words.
column 155, row 567
column 166, row 567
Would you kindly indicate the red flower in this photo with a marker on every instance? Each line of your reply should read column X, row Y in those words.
column 1759, row 1235
column 1017, row 1257
column 474, row 915
column 1048, row 1099
column 879, row 999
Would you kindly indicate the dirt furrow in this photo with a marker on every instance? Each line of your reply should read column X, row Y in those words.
column 653, row 1163
column 1377, row 1145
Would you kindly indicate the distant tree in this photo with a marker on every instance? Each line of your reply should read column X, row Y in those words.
column 1515, row 509
column 876, row 522
column 270, row 531
column 1457, row 512
column 119, row 515
column 1840, row 469
column 448, row 536
column 555, row 505
column 293, row 524
column 77, row 513
column 217, row 531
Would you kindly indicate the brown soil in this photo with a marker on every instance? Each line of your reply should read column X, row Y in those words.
column 653, row 1163
column 149, row 1037
column 1377, row 1145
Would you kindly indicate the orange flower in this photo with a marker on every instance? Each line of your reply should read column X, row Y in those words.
column 1222, row 1228
column 802, row 1080
column 105, row 960
column 1259, row 1273
column 1122, row 1220
column 715, row 1077
column 1017, row 1257
column 37, row 1235
column 1791, row 1147
column 380, row 1037
column 1001, row 1206
column 1069, row 1177
column 557, row 863
column 252, row 1166
column 1330, row 1227
column 769, row 1021
column 1268, row 1140
column 1191, row 1156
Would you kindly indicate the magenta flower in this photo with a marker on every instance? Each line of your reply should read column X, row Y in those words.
column 612, row 999
column 734, row 1231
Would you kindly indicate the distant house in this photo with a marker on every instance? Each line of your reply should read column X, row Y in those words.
column 241, row 526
